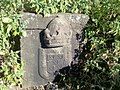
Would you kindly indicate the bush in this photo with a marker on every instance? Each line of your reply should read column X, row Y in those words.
column 98, row 64
column 11, row 70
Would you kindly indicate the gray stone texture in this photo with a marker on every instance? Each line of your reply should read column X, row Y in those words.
column 42, row 62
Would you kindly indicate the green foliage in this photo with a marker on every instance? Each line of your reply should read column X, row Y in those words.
column 47, row 7
column 103, row 32
column 11, row 70
column 101, row 47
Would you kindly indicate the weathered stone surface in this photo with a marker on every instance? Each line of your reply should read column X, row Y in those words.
column 53, row 59
column 34, row 21
column 40, row 87
column 58, row 32
column 49, row 45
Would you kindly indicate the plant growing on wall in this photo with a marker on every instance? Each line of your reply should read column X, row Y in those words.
column 99, row 60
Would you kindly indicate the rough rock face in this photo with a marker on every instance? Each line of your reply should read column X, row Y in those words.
column 40, row 87
column 48, row 86
column 50, row 45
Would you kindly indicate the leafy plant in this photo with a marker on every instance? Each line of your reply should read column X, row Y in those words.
column 98, row 64
column 11, row 70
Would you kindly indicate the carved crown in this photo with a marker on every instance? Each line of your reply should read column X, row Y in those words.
column 58, row 33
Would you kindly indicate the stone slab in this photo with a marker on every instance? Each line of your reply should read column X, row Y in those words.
column 43, row 60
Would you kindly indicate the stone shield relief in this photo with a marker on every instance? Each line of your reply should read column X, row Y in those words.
column 55, row 52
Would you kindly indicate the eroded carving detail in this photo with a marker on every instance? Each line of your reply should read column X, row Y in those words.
column 57, row 33
column 51, row 61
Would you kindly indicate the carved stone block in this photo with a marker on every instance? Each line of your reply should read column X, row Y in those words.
column 49, row 45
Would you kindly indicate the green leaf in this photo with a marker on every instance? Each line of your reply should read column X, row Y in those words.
column 2, row 53
column 6, row 20
column 9, row 28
